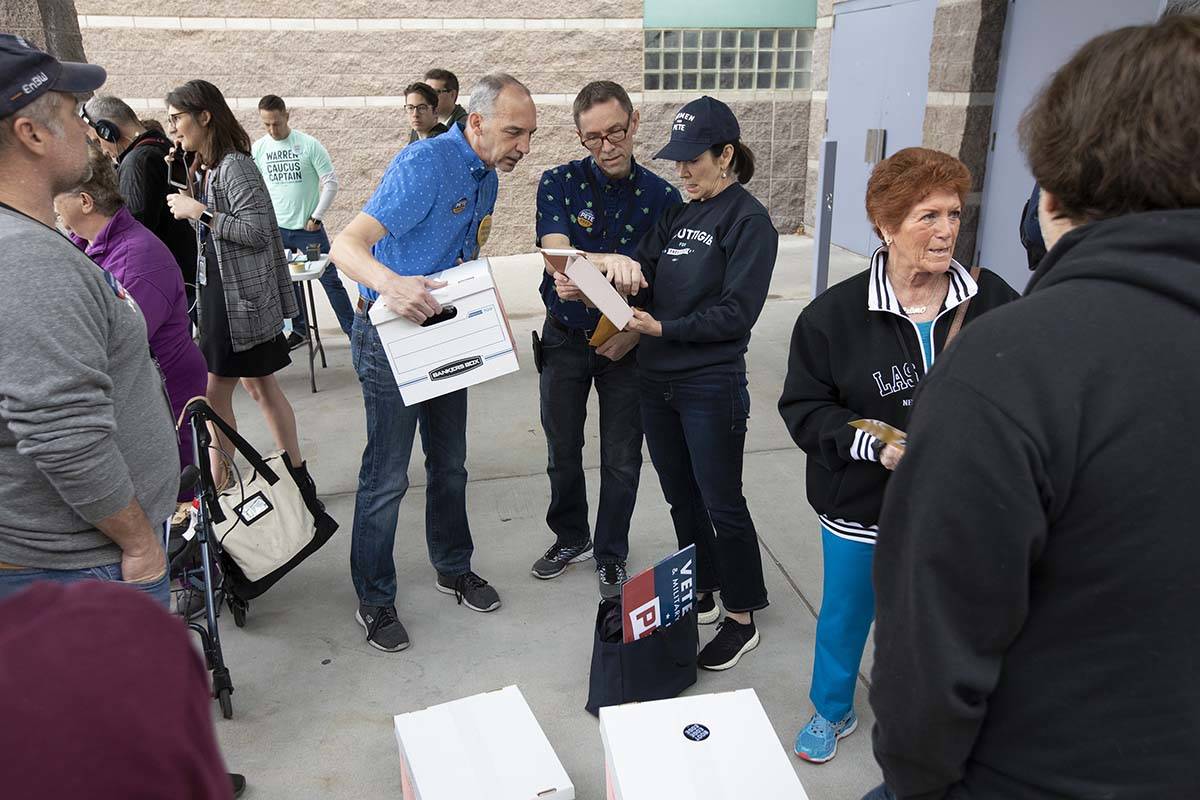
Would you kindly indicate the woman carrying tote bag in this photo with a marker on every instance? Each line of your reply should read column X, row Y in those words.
column 244, row 288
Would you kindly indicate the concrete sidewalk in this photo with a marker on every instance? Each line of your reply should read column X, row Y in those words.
column 313, row 703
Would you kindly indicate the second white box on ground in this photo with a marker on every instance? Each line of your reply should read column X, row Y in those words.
column 708, row 747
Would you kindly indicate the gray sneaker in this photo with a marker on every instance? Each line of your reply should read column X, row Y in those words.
column 559, row 557
column 612, row 578
column 470, row 590
column 384, row 631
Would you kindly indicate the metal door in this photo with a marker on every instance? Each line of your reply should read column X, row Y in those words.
column 1039, row 37
column 878, row 82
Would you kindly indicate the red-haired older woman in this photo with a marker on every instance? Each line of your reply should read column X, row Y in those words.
column 858, row 352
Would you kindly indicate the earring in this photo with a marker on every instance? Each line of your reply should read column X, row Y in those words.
column 723, row 175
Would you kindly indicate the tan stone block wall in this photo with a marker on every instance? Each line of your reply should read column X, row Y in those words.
column 51, row 25
column 380, row 9
column 964, row 62
column 965, row 53
column 147, row 63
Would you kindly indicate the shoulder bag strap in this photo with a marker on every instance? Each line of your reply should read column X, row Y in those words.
column 241, row 445
column 961, row 313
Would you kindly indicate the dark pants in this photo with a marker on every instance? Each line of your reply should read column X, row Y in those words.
column 880, row 792
column 334, row 290
column 383, row 478
column 696, row 430
column 569, row 368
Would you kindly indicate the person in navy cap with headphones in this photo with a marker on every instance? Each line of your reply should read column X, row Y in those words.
column 700, row 279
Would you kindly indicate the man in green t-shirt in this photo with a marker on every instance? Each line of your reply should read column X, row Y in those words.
column 300, row 177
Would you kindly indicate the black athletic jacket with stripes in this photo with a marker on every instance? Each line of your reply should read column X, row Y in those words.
column 856, row 355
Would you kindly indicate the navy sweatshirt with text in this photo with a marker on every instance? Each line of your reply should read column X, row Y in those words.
column 709, row 266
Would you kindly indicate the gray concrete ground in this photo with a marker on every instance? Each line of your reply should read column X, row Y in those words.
column 313, row 704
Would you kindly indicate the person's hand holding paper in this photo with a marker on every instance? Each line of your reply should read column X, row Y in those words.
column 593, row 284
column 643, row 323
column 567, row 290
column 622, row 272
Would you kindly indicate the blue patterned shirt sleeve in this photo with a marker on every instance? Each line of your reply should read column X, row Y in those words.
column 551, row 211
column 405, row 193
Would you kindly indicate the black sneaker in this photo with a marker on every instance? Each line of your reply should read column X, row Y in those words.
column 304, row 480
column 295, row 340
column 239, row 784
column 612, row 577
column 559, row 557
column 384, row 631
column 706, row 610
column 470, row 590
column 733, row 640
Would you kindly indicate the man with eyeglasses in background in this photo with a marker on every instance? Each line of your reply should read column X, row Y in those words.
column 420, row 103
column 444, row 84
column 601, row 204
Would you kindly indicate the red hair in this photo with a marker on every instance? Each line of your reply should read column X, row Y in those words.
column 906, row 178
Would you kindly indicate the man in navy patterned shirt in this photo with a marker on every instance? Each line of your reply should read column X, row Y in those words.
column 431, row 210
column 601, row 204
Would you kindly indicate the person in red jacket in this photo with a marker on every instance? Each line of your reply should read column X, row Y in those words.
column 103, row 696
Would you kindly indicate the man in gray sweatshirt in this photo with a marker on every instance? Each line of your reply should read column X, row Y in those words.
column 89, row 466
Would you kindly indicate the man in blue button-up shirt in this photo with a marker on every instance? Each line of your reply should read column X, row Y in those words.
column 601, row 204
column 431, row 210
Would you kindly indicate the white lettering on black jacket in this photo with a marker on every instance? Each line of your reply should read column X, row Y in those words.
column 853, row 360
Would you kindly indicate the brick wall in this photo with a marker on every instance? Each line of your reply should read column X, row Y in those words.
column 964, row 62
column 49, row 24
column 341, row 74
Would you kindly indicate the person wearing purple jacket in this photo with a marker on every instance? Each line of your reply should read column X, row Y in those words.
column 96, row 216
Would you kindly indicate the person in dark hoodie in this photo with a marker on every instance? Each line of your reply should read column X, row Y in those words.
column 707, row 266
column 859, row 351
column 138, row 151
column 1037, row 583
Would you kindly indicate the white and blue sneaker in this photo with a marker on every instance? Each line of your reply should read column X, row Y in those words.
column 818, row 741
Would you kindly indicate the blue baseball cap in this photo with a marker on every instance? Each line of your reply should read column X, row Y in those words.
column 698, row 126
column 27, row 73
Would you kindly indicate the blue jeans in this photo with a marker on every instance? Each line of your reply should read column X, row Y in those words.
column 383, row 478
column 334, row 290
column 569, row 368
column 696, row 431
column 847, row 609
column 880, row 792
column 14, row 580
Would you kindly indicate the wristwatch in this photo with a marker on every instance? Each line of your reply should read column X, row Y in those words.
column 314, row 219
column 206, row 217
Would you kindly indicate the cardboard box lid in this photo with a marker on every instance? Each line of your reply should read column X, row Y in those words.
column 488, row 745
column 714, row 746
column 463, row 281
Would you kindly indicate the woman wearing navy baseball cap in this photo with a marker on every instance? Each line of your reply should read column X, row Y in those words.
column 701, row 279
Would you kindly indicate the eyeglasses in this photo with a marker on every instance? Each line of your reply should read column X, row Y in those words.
column 173, row 119
column 420, row 109
column 83, row 115
column 595, row 141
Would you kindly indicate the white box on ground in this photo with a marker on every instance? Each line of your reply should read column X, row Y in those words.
column 469, row 343
column 488, row 745
column 709, row 746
